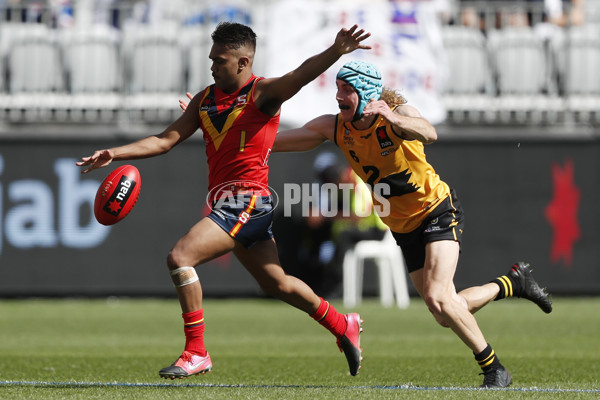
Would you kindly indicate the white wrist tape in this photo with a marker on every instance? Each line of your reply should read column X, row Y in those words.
column 183, row 276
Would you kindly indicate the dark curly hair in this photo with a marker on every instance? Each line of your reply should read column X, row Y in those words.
column 234, row 35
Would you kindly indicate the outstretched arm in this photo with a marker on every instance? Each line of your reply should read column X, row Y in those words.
column 406, row 121
column 308, row 137
column 149, row 146
column 273, row 92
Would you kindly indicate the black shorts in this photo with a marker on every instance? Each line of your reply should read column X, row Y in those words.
column 247, row 218
column 445, row 222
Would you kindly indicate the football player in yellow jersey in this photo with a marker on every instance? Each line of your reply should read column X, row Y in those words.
column 383, row 139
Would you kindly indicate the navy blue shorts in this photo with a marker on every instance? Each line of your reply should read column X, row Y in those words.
column 445, row 222
column 246, row 218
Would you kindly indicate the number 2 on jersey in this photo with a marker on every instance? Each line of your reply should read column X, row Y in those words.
column 368, row 169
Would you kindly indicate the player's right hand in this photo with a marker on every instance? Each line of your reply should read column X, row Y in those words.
column 100, row 158
column 183, row 104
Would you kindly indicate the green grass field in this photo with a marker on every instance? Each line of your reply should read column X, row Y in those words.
column 264, row 349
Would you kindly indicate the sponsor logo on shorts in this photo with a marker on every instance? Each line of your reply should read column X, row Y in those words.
column 433, row 226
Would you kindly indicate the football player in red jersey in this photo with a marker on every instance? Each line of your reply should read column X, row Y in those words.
column 239, row 118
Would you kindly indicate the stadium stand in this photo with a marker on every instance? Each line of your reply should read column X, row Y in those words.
column 94, row 71
column 131, row 68
column 520, row 62
column 34, row 61
column 155, row 69
column 582, row 86
column 523, row 72
column 35, row 78
column 470, row 89
column 3, row 97
column 196, row 42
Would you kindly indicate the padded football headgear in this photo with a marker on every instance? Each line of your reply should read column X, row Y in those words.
column 365, row 79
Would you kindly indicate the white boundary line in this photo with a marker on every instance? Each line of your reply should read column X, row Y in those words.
column 75, row 384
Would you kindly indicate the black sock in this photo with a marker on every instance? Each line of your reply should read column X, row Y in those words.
column 487, row 359
column 509, row 286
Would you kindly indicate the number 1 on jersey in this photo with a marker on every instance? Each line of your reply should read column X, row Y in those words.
column 242, row 141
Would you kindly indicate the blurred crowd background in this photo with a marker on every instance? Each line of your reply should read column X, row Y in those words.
column 474, row 62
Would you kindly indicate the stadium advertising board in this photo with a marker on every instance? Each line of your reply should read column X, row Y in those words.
column 534, row 201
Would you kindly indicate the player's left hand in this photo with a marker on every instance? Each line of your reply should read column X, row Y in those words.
column 379, row 107
column 348, row 40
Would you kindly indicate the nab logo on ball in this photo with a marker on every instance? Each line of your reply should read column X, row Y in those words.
column 117, row 195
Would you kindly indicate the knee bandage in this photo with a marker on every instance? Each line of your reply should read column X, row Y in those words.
column 183, row 276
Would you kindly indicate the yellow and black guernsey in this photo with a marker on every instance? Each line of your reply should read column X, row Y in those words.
column 405, row 187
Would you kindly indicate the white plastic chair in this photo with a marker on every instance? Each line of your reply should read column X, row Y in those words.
column 92, row 60
column 583, row 61
column 34, row 62
column 521, row 63
column 470, row 72
column 390, row 263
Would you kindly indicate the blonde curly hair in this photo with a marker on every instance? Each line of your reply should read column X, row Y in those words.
column 392, row 97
